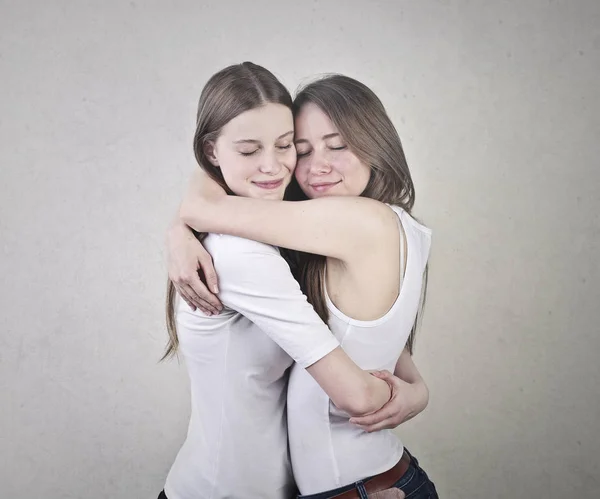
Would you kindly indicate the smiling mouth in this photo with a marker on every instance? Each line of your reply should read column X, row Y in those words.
column 324, row 186
column 271, row 184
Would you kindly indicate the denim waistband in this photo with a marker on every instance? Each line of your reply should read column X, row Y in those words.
column 356, row 485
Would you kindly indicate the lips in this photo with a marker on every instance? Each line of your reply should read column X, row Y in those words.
column 270, row 184
column 323, row 186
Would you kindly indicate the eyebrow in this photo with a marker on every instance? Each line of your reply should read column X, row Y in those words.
column 325, row 137
column 254, row 141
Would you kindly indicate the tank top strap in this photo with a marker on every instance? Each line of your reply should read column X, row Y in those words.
column 403, row 247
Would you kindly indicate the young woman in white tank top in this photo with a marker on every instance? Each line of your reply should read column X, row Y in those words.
column 238, row 360
column 362, row 266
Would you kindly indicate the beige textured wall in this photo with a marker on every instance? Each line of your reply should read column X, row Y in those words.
column 497, row 103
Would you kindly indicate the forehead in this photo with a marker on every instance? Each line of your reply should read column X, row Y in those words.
column 268, row 121
column 311, row 120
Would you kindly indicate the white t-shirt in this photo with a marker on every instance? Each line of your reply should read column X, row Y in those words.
column 237, row 361
column 327, row 450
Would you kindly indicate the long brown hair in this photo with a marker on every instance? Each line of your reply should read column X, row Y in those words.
column 226, row 95
column 362, row 121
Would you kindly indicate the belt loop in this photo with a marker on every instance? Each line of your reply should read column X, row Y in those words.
column 362, row 492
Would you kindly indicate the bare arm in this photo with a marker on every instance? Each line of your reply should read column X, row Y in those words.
column 187, row 261
column 410, row 396
column 406, row 369
column 326, row 226
column 256, row 281
column 351, row 389
column 407, row 372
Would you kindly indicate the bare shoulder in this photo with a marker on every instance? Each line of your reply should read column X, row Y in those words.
column 365, row 285
column 378, row 221
column 369, row 216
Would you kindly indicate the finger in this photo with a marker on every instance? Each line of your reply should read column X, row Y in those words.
column 384, row 374
column 382, row 414
column 200, row 302
column 382, row 425
column 194, row 303
column 206, row 307
column 199, row 289
column 393, row 381
column 185, row 298
column 190, row 304
column 191, row 292
column 206, row 263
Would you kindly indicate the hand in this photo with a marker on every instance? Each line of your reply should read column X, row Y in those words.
column 186, row 257
column 393, row 493
column 407, row 400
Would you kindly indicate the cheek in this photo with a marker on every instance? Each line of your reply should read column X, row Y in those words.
column 366, row 176
column 237, row 169
column 301, row 171
column 290, row 160
column 356, row 174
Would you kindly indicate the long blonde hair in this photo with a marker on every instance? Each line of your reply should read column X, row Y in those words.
column 226, row 95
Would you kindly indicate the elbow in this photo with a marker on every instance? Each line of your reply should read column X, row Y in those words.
column 361, row 402
column 424, row 395
column 360, row 406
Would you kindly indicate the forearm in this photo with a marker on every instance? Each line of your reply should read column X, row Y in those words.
column 177, row 232
column 408, row 372
column 406, row 369
column 325, row 226
column 350, row 388
column 376, row 393
column 196, row 212
column 177, row 225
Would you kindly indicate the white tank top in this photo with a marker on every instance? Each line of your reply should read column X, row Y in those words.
column 328, row 451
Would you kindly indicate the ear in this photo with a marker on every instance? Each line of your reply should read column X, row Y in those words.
column 209, row 151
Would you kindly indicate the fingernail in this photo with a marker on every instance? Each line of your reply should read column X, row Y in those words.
column 215, row 289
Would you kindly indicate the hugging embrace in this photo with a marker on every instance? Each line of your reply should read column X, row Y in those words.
column 299, row 219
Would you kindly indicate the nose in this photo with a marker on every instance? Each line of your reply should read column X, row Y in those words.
column 270, row 164
column 319, row 163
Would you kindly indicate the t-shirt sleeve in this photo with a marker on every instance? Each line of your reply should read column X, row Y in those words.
column 256, row 281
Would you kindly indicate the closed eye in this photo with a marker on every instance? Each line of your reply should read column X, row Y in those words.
column 284, row 147
column 248, row 153
column 338, row 148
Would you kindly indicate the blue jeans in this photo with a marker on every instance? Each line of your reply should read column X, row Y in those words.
column 414, row 483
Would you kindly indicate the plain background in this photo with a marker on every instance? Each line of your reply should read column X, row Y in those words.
column 497, row 105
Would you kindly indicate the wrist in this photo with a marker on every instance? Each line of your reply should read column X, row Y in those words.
column 178, row 233
column 176, row 225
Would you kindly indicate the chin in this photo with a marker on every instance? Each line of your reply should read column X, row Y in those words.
column 315, row 195
column 275, row 195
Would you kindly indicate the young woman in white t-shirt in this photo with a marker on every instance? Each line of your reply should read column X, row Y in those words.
column 238, row 360
column 362, row 265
